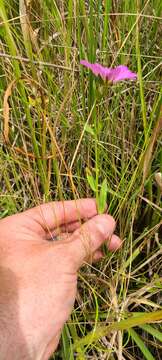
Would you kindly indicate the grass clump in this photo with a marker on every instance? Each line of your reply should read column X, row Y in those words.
column 60, row 123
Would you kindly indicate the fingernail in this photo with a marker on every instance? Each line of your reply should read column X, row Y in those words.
column 115, row 243
column 106, row 225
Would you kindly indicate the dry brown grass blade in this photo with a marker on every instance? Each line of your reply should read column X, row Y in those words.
column 62, row 158
column 158, row 178
column 28, row 33
column 148, row 155
column 153, row 205
column 6, row 110
column 31, row 155
column 24, row 20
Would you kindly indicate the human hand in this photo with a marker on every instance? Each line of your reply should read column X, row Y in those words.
column 38, row 277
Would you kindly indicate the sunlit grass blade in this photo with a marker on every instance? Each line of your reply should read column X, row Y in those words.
column 122, row 325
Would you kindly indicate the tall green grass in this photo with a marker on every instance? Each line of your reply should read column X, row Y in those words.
column 65, row 123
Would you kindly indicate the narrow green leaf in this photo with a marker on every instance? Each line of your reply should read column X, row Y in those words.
column 107, row 8
column 142, row 97
column 102, row 197
column 91, row 180
column 89, row 130
column 66, row 350
column 134, row 320
column 137, row 339
column 151, row 330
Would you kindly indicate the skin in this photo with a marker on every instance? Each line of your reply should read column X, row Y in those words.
column 38, row 276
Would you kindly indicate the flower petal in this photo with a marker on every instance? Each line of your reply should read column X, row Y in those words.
column 116, row 74
column 121, row 72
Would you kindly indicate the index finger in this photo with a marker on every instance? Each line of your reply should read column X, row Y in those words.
column 53, row 214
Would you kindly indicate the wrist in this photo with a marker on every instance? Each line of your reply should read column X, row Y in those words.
column 12, row 342
column 13, row 346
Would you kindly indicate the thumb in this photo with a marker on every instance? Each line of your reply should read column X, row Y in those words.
column 89, row 237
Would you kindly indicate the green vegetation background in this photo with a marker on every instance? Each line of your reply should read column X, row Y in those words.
column 59, row 122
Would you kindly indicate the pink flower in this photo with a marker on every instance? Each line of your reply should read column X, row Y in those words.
column 119, row 73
